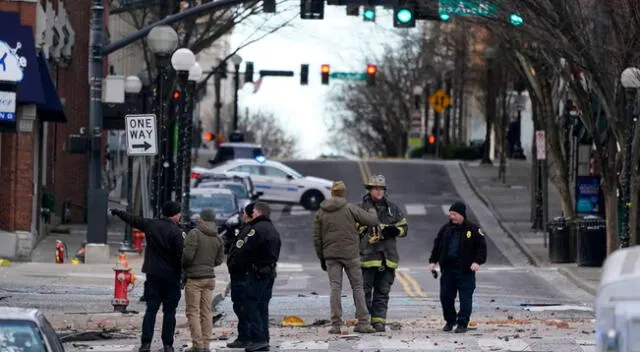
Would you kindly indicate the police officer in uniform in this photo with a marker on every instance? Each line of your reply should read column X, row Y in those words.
column 378, row 251
column 259, row 253
column 238, row 277
column 460, row 248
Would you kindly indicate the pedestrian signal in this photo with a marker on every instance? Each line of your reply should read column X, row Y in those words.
column 324, row 71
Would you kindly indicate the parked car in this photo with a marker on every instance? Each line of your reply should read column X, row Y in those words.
column 231, row 151
column 222, row 200
column 27, row 330
column 280, row 183
column 202, row 175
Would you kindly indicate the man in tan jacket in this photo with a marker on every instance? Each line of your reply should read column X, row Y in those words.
column 203, row 250
column 338, row 247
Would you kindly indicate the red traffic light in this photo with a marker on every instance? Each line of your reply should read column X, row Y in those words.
column 324, row 69
column 372, row 69
column 176, row 94
column 431, row 139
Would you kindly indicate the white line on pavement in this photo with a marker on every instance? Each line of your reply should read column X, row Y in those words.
column 416, row 209
column 290, row 267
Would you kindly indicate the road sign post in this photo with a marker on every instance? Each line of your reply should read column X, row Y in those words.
column 141, row 135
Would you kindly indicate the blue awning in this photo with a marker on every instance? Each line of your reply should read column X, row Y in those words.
column 51, row 109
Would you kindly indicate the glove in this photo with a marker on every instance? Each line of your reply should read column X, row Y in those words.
column 114, row 211
column 323, row 265
column 390, row 231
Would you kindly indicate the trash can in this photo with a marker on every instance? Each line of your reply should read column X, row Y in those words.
column 559, row 230
column 592, row 241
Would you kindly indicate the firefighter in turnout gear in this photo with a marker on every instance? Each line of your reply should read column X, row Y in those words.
column 378, row 251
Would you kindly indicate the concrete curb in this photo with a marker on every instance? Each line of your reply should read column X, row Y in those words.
column 578, row 281
column 532, row 258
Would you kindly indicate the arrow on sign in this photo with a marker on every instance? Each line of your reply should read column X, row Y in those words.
column 144, row 145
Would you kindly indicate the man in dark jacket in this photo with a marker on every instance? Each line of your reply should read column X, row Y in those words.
column 163, row 267
column 238, row 278
column 460, row 248
column 259, row 253
column 338, row 247
column 203, row 250
column 378, row 250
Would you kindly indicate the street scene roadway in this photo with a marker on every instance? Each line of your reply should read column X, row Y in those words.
column 517, row 307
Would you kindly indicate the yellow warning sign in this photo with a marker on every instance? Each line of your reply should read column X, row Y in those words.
column 440, row 100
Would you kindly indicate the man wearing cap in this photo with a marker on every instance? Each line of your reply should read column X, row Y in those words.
column 337, row 246
column 238, row 277
column 163, row 268
column 378, row 250
column 459, row 248
column 203, row 250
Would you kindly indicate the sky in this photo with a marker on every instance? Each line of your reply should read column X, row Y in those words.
column 339, row 40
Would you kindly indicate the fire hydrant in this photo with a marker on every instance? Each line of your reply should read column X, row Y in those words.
column 138, row 237
column 124, row 283
column 60, row 252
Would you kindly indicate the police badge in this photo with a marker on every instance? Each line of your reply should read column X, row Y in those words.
column 251, row 233
column 240, row 243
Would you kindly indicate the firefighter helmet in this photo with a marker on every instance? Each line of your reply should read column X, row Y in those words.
column 376, row 181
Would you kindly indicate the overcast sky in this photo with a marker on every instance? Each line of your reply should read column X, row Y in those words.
column 339, row 40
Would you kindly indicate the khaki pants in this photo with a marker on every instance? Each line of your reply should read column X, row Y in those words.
column 199, row 302
column 354, row 274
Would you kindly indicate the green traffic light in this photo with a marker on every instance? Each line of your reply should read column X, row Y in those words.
column 369, row 14
column 445, row 16
column 516, row 19
column 404, row 15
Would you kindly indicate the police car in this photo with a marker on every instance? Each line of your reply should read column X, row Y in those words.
column 280, row 183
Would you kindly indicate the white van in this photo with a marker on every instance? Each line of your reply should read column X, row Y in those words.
column 618, row 302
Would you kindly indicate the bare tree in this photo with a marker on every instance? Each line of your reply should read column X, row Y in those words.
column 265, row 129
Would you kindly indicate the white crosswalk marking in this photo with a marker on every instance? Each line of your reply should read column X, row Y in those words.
column 416, row 209
column 445, row 209
column 290, row 267
column 298, row 210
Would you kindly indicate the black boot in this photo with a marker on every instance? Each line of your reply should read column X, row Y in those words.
column 461, row 329
column 448, row 327
column 238, row 344
column 145, row 347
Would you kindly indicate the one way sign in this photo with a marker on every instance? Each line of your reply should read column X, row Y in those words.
column 141, row 135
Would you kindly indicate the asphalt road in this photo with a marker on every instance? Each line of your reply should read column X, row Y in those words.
column 424, row 190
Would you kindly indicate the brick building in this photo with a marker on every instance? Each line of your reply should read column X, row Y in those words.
column 46, row 42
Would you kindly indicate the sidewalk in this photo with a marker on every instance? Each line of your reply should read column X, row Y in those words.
column 511, row 204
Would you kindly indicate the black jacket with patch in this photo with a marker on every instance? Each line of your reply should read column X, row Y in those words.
column 163, row 252
column 473, row 246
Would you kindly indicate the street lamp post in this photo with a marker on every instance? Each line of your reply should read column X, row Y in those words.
column 195, row 73
column 182, row 61
column 630, row 80
column 132, row 88
column 162, row 41
column 237, row 60
column 489, row 55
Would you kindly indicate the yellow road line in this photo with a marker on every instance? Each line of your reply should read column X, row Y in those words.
column 363, row 173
column 415, row 284
column 367, row 170
column 405, row 285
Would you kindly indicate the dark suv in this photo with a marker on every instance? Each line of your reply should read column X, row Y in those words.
column 230, row 151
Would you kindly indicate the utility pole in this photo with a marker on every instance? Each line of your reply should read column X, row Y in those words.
column 448, row 88
column 217, row 105
column 437, row 118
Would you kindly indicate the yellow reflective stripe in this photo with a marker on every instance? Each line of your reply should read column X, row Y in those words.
column 391, row 264
column 378, row 320
column 402, row 222
column 402, row 232
column 371, row 263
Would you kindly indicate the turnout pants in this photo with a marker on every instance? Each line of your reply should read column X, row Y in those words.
column 199, row 305
column 452, row 283
column 165, row 292
column 335, row 267
column 238, row 297
column 377, row 285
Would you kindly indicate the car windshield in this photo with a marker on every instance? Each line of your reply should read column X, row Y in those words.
column 20, row 336
column 291, row 171
column 221, row 203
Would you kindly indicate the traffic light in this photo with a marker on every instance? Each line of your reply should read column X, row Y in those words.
column 176, row 95
column 353, row 10
column 304, row 74
column 516, row 19
column 403, row 15
column 324, row 70
column 371, row 74
column 312, row 9
column 248, row 72
column 269, row 6
column 369, row 14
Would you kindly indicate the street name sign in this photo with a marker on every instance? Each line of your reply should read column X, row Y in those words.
column 440, row 101
column 141, row 135
column 356, row 76
column 481, row 8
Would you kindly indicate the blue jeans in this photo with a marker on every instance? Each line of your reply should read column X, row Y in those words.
column 238, row 297
column 454, row 282
column 258, row 295
column 165, row 292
